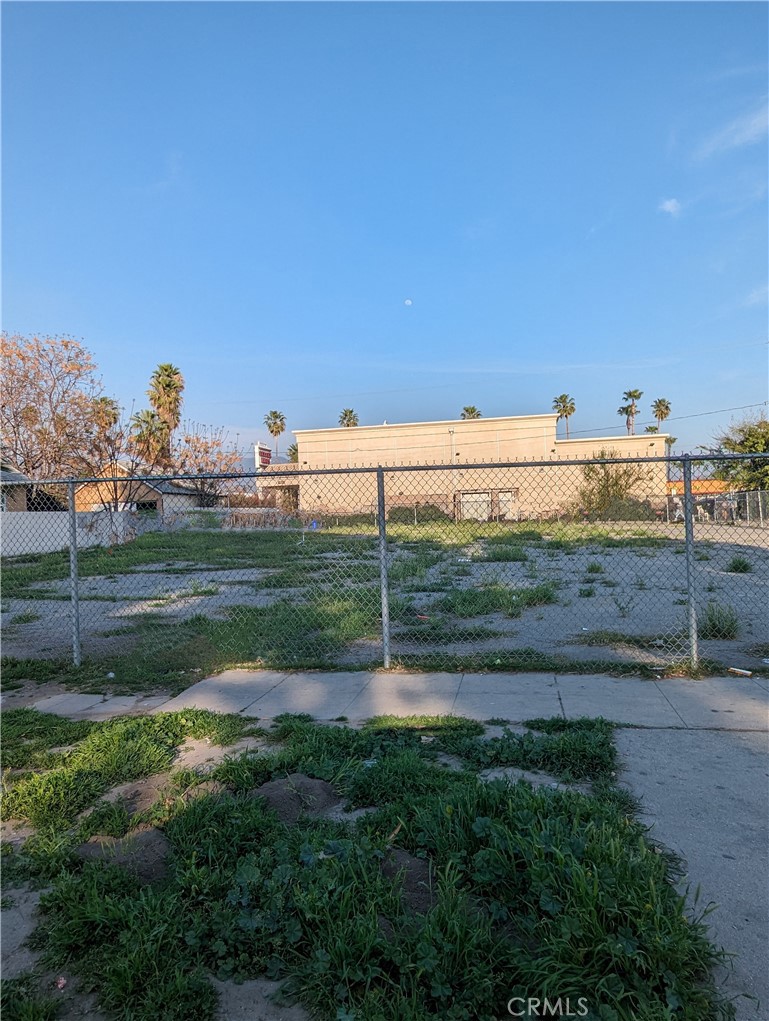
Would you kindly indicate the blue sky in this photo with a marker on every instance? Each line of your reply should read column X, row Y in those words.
column 397, row 207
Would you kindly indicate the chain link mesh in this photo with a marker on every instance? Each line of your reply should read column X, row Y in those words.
column 533, row 565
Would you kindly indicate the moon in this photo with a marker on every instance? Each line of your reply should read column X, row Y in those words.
column 408, row 301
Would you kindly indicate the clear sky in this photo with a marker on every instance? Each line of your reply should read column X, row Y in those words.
column 401, row 208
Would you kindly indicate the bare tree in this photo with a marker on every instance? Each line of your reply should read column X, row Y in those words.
column 50, row 405
column 205, row 450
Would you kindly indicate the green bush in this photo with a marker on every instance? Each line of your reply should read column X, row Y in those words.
column 719, row 622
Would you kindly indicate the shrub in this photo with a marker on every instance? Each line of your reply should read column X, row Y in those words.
column 719, row 622
column 739, row 565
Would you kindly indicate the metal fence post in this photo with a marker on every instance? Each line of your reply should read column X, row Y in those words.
column 73, row 580
column 689, row 541
column 382, row 524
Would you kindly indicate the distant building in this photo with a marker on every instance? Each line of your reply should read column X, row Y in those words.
column 135, row 494
column 490, row 492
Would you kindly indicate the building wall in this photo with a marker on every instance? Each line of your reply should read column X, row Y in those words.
column 96, row 495
column 14, row 498
column 495, row 492
column 474, row 440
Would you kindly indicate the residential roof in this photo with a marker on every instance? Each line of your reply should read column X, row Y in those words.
column 11, row 477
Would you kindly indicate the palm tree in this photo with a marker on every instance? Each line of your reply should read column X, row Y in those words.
column 293, row 452
column 661, row 410
column 276, row 424
column 565, row 407
column 470, row 411
column 626, row 410
column 631, row 396
column 149, row 435
column 652, row 429
column 348, row 418
column 165, row 394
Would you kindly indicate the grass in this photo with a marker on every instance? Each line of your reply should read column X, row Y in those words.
column 606, row 637
column 739, row 565
column 104, row 754
column 497, row 598
column 27, row 617
column 529, row 885
column 331, row 616
column 719, row 622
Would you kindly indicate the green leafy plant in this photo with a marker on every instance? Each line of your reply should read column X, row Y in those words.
column 719, row 622
column 739, row 565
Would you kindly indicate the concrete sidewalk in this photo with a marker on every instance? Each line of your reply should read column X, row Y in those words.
column 698, row 761
column 730, row 703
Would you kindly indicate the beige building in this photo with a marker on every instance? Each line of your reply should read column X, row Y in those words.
column 133, row 494
column 510, row 484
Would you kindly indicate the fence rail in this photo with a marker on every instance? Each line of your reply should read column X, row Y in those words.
column 627, row 564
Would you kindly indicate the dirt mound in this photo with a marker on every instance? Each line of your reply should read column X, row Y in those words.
column 297, row 795
column 139, row 795
column 418, row 891
column 144, row 852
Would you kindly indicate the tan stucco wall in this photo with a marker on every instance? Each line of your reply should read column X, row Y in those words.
column 92, row 496
column 15, row 498
column 457, row 441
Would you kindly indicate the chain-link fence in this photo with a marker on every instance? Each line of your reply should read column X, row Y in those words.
column 622, row 564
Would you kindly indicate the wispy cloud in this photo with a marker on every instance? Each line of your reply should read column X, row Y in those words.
column 759, row 296
column 672, row 206
column 745, row 130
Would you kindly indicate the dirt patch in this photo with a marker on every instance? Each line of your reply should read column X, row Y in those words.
column 417, row 892
column 144, row 853
column 513, row 775
column 297, row 795
column 209, row 788
column 15, row 832
column 139, row 795
column 253, row 1000
column 17, row 923
column 199, row 754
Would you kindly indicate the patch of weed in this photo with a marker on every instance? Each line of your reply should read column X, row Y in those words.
column 739, row 565
column 718, row 622
column 497, row 599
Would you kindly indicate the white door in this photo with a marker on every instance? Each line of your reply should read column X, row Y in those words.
column 475, row 506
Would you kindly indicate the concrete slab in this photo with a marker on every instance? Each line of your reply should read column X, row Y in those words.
column 229, row 692
column 706, row 795
column 117, row 705
column 622, row 699
column 512, row 696
column 323, row 696
column 733, row 703
column 67, row 704
column 404, row 694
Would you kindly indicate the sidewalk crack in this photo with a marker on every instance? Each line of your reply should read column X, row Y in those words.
column 680, row 717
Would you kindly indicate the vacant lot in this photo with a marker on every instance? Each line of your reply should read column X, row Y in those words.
column 460, row 596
